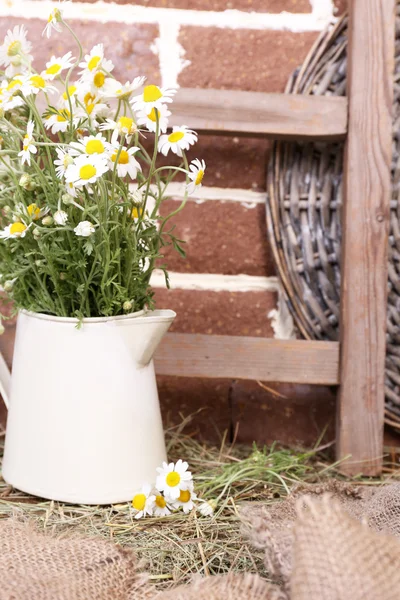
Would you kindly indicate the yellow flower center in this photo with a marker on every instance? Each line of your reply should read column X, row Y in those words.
column 135, row 212
column 87, row 172
column 17, row 228
column 99, row 79
column 89, row 98
column 14, row 48
column 151, row 93
column 13, row 83
column 93, row 62
column 54, row 15
column 89, row 108
column 63, row 116
column 139, row 501
column 33, row 211
column 176, row 136
column 71, row 91
column 184, row 496
column 54, row 69
column 94, row 147
column 38, row 81
column 125, row 124
column 161, row 501
column 154, row 113
column 27, row 141
column 199, row 177
column 173, row 478
column 123, row 157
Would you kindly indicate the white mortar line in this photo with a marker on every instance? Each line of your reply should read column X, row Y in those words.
column 170, row 53
column 250, row 198
column 216, row 282
column 105, row 12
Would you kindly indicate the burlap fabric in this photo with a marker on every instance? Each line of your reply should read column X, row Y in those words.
column 332, row 542
column 34, row 566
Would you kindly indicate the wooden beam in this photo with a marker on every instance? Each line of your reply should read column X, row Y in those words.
column 220, row 356
column 365, row 234
column 254, row 114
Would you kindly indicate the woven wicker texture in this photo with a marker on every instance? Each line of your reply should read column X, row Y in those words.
column 303, row 212
column 34, row 566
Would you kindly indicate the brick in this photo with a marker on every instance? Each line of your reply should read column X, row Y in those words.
column 128, row 46
column 340, row 6
column 219, row 313
column 222, row 237
column 241, row 59
column 267, row 6
column 205, row 400
column 297, row 419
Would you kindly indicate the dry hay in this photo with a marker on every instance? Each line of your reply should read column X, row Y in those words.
column 172, row 549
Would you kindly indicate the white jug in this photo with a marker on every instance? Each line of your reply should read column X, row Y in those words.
column 84, row 423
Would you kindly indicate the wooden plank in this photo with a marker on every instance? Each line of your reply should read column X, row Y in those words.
column 220, row 356
column 365, row 235
column 279, row 116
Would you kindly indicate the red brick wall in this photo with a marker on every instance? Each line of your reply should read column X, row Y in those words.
column 224, row 44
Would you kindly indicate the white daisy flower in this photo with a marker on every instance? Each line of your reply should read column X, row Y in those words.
column 143, row 502
column 7, row 99
column 14, row 230
column 173, row 478
column 60, row 121
column 86, row 170
column 55, row 18
column 28, row 146
column 150, row 120
column 94, row 61
column 124, row 125
column 196, row 174
column 180, row 139
column 71, row 189
column 15, row 49
column 207, row 508
column 161, row 507
column 84, row 229
column 60, row 217
column 152, row 97
column 56, row 65
column 185, row 499
column 34, row 212
column 98, row 82
column 72, row 92
column 93, row 107
column 115, row 89
column 90, row 144
column 33, row 84
column 63, row 161
column 127, row 163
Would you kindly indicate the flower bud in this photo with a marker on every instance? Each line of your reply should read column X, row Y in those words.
column 38, row 263
column 27, row 182
column 127, row 305
column 7, row 210
column 63, row 276
column 16, row 219
column 66, row 198
column 48, row 220
column 36, row 233
column 8, row 285
column 60, row 217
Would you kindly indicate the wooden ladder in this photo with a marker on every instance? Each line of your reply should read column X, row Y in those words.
column 364, row 120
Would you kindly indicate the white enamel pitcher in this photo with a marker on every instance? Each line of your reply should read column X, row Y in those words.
column 84, row 423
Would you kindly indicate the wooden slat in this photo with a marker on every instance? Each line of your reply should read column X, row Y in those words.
column 279, row 116
column 219, row 356
column 365, row 234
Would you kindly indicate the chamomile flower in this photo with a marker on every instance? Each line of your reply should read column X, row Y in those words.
column 60, row 217
column 143, row 502
column 28, row 146
column 14, row 52
column 14, row 230
column 55, row 18
column 94, row 61
column 71, row 189
column 56, row 65
column 186, row 499
column 84, row 229
column 72, row 93
column 98, row 82
column 126, row 162
column 124, row 125
column 196, row 174
column 115, row 89
column 33, row 84
column 86, row 170
column 35, row 212
column 63, row 161
column 207, row 507
column 60, row 121
column 161, row 508
column 152, row 97
column 150, row 120
column 8, row 100
column 180, row 139
column 90, row 144
column 93, row 107
column 173, row 478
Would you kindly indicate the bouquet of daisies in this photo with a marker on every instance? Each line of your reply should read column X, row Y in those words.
column 80, row 189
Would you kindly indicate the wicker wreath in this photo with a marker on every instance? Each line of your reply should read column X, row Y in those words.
column 304, row 212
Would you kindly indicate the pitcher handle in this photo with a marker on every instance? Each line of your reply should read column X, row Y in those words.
column 5, row 380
